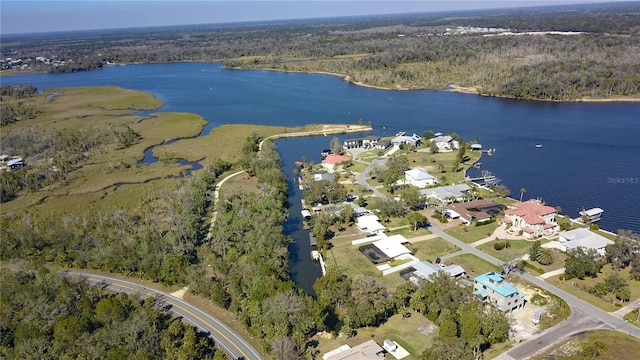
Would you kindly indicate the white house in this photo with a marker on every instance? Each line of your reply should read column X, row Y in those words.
column 392, row 246
column 370, row 141
column 370, row 224
column 419, row 178
column 447, row 193
column 406, row 140
column 442, row 142
column 584, row 238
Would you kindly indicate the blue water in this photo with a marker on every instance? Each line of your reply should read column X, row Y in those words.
column 590, row 155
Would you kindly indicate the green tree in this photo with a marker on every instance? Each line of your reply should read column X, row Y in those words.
column 417, row 219
column 582, row 262
column 545, row 257
column 624, row 249
column 534, row 250
column 447, row 348
column 522, row 191
column 411, row 197
column 335, row 146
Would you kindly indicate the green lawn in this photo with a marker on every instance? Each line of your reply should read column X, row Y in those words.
column 432, row 249
column 579, row 288
column 633, row 318
column 404, row 331
column 516, row 249
column 472, row 233
column 473, row 265
column 408, row 232
column 558, row 262
column 349, row 260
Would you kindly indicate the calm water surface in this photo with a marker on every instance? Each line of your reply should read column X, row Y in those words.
column 590, row 155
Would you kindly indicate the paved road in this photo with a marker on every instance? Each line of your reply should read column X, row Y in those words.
column 362, row 176
column 584, row 316
column 225, row 338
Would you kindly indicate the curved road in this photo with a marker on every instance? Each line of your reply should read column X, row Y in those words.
column 584, row 316
column 225, row 338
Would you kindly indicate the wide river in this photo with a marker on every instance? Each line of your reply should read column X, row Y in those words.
column 590, row 155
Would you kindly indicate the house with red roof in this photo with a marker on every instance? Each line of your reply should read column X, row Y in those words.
column 331, row 162
column 533, row 217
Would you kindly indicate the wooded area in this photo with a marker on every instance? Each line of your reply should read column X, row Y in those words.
column 411, row 51
column 47, row 316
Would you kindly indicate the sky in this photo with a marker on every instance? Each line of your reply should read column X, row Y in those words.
column 37, row 16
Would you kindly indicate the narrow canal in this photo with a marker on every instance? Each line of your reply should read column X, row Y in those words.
column 304, row 271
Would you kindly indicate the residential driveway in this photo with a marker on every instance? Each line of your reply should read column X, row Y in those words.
column 501, row 233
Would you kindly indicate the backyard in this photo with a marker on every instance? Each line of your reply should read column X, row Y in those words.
column 415, row 333
column 432, row 249
column 472, row 264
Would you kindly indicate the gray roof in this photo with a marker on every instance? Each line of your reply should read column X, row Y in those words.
column 584, row 238
column 443, row 192
column 424, row 269
column 357, row 210
column 442, row 138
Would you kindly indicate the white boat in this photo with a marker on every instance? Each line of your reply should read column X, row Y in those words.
column 538, row 146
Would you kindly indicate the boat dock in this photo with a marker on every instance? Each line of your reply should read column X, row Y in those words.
column 487, row 179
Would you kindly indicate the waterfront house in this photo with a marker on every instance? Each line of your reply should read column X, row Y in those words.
column 583, row 238
column 370, row 141
column 443, row 142
column 480, row 211
column 331, row 162
column 383, row 144
column 492, row 288
column 323, row 175
column 419, row 178
column 406, row 140
column 476, row 147
column 448, row 193
column 357, row 210
column 353, row 143
column 533, row 217
column 369, row 350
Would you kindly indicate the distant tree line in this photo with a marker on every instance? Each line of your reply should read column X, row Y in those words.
column 45, row 316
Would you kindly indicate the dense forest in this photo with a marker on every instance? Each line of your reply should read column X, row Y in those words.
column 410, row 51
column 47, row 316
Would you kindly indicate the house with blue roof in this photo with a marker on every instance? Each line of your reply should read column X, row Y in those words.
column 492, row 288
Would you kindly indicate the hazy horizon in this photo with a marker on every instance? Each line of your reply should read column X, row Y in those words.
column 29, row 17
